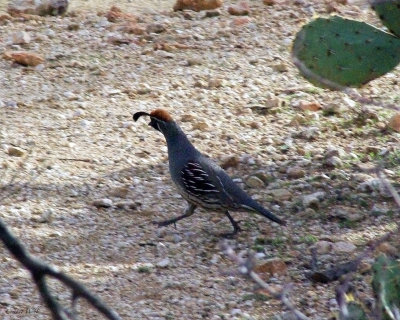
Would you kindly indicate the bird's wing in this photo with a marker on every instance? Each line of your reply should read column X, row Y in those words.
column 200, row 185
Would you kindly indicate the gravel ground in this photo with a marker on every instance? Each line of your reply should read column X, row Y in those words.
column 82, row 182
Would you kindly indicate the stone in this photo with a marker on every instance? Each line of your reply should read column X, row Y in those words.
column 21, row 37
column 201, row 125
column 155, row 28
column 240, row 21
column 24, row 58
column 281, row 194
column 280, row 67
column 295, row 172
column 115, row 14
column 310, row 133
column 15, row 151
column 164, row 263
column 394, row 122
column 197, row 5
column 133, row 28
column 120, row 192
column 332, row 109
column 313, row 200
column 241, row 9
column 387, row 248
column 323, row 246
column 343, row 247
column 194, row 61
column 333, row 162
column 269, row 2
column 103, row 203
column 230, row 162
column 274, row 266
column 309, row 106
column 254, row 182
column 37, row 7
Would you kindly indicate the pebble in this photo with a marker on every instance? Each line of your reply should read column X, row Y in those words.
column 21, row 37
column 323, row 247
column 343, row 247
column 333, row 162
column 197, row 5
column 394, row 122
column 155, row 28
column 280, row 67
column 103, row 203
column 313, row 200
column 230, row 162
column 164, row 263
column 281, row 194
column 242, row 9
column 387, row 248
column 309, row 106
column 274, row 266
column 15, row 151
column 310, row 133
column 295, row 172
column 254, row 182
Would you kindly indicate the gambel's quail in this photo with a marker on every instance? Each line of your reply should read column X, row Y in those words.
column 199, row 180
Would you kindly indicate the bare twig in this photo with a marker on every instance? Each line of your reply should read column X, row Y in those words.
column 245, row 266
column 39, row 270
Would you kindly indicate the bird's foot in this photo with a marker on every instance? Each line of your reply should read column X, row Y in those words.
column 232, row 234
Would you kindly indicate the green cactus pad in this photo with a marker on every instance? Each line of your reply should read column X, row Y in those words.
column 335, row 52
column 355, row 312
column 386, row 285
column 389, row 13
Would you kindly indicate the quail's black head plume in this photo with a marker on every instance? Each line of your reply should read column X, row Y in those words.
column 198, row 179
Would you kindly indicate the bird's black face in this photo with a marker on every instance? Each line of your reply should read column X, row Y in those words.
column 156, row 124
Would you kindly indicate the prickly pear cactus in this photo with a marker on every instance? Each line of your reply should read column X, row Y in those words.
column 389, row 13
column 335, row 52
column 386, row 285
column 354, row 312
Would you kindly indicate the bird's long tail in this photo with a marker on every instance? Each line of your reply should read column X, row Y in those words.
column 264, row 212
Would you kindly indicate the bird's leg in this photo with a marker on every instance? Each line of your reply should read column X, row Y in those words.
column 188, row 212
column 235, row 225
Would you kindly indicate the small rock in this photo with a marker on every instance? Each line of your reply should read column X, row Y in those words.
column 295, row 172
column 323, row 247
column 269, row 2
column 310, row 133
column 273, row 266
column 21, row 37
column 214, row 83
column 103, row 203
column 313, row 200
column 280, row 67
column 254, row 182
column 38, row 7
column 115, row 14
column 15, row 151
column 374, row 184
column 194, row 61
column 155, row 28
column 197, row 5
column 333, row 162
column 120, row 192
column 164, row 263
column 394, row 122
column 332, row 109
column 187, row 118
column 23, row 57
column 387, row 248
column 242, row 9
column 240, row 21
column 309, row 106
column 230, row 162
column 343, row 247
column 281, row 194
column 202, row 125
column 212, row 14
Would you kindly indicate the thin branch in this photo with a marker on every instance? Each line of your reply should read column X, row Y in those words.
column 245, row 266
column 39, row 270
